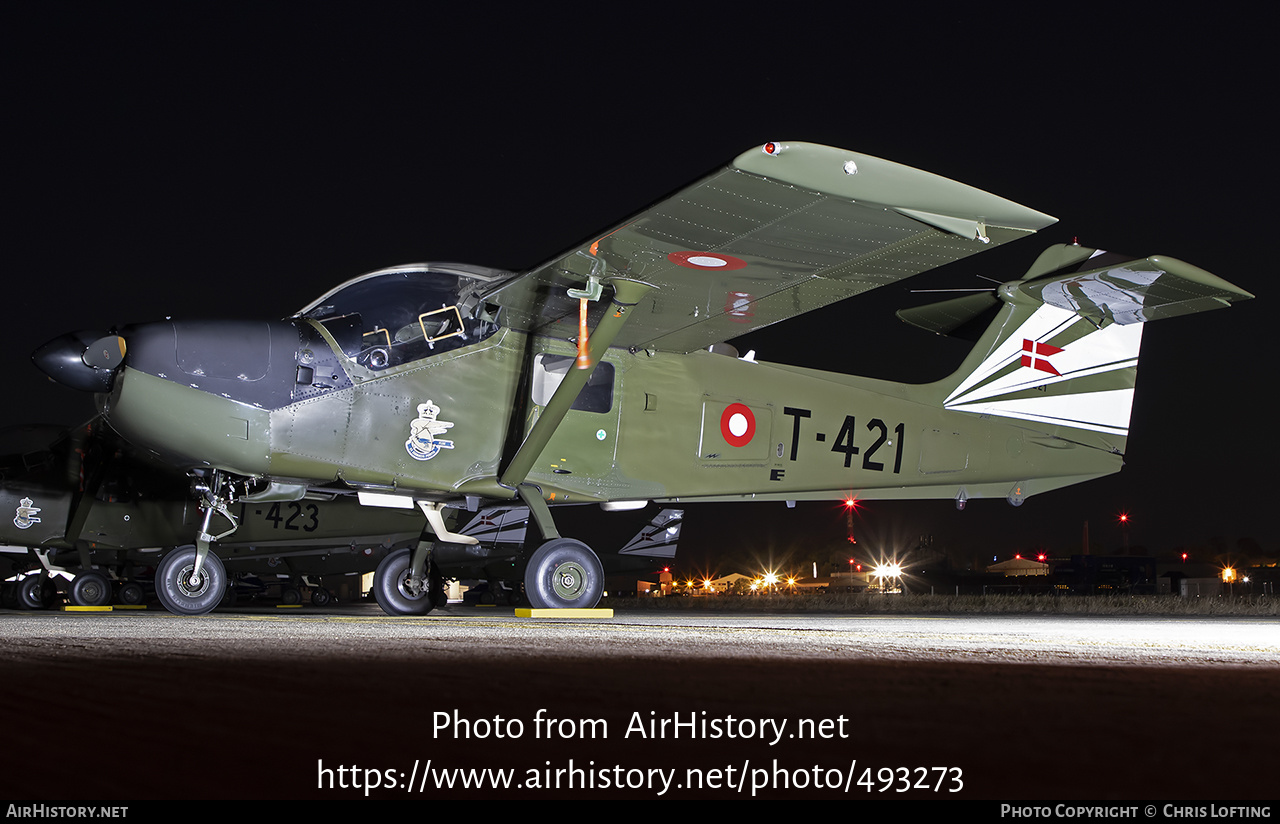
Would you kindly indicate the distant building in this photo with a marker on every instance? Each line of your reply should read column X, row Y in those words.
column 1019, row 567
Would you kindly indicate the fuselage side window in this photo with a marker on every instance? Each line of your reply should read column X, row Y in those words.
column 550, row 370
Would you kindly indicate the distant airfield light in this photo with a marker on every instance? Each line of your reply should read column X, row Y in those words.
column 770, row 579
column 888, row 569
column 1228, row 575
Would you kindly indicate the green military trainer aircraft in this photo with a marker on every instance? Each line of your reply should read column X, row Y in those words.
column 602, row 376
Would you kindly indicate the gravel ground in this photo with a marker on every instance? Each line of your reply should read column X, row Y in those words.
column 263, row 704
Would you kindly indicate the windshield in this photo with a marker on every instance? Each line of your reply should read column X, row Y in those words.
column 400, row 315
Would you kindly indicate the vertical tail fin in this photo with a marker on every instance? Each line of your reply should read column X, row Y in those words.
column 1063, row 348
column 659, row 537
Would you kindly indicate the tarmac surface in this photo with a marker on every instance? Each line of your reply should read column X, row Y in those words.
column 349, row 703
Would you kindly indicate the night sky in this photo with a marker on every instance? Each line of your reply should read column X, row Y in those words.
column 237, row 160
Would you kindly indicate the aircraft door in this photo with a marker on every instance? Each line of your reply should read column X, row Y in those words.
column 585, row 445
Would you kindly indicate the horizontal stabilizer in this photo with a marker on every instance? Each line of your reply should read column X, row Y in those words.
column 952, row 317
column 1135, row 291
column 1101, row 287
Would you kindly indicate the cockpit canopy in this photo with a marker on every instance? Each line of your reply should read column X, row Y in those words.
column 397, row 315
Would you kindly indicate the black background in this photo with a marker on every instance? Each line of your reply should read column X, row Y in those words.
column 238, row 159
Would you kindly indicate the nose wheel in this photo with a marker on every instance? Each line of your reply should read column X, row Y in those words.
column 184, row 590
column 562, row 574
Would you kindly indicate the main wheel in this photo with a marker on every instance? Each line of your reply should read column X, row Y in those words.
column 564, row 573
column 32, row 593
column 321, row 597
column 90, row 589
column 391, row 589
column 130, row 594
column 179, row 593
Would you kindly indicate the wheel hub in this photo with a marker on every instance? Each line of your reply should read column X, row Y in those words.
column 410, row 588
column 191, row 585
column 568, row 580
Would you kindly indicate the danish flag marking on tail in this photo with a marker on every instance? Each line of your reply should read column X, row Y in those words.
column 1044, row 350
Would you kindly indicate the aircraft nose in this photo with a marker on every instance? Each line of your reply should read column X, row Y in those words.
column 85, row 360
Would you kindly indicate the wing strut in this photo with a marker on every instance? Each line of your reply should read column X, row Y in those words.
column 626, row 294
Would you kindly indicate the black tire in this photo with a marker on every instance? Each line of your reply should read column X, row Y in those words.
column 389, row 587
column 564, row 574
column 90, row 589
column 31, row 593
column 130, row 594
column 176, row 592
column 290, row 597
column 321, row 597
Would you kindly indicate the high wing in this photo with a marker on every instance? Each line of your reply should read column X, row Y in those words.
column 783, row 229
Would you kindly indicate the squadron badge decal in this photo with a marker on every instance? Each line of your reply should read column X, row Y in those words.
column 25, row 516
column 423, row 444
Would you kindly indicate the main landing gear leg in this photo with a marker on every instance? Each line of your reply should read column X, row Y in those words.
column 407, row 581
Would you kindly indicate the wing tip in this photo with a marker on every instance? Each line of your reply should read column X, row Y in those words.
column 870, row 179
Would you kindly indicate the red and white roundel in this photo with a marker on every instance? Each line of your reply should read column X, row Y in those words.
column 706, row 260
column 737, row 424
